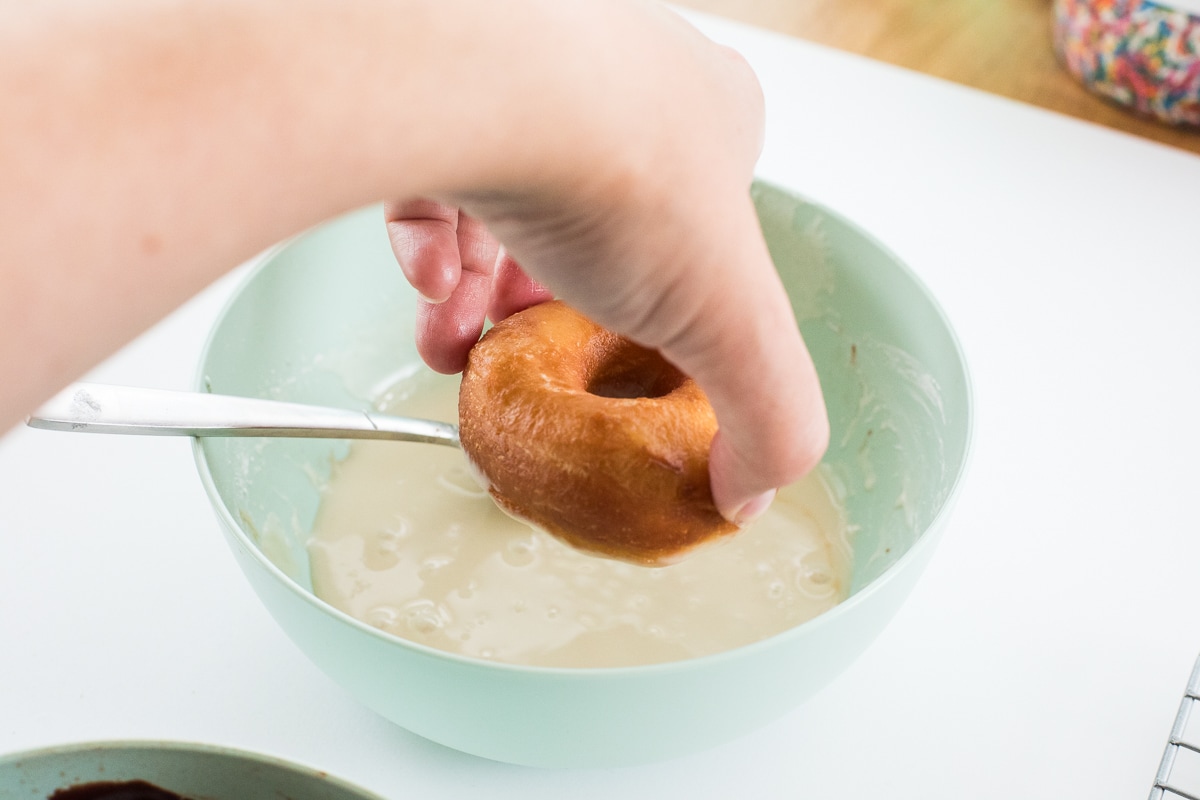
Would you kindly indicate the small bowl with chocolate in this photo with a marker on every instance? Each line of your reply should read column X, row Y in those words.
column 154, row 770
column 416, row 583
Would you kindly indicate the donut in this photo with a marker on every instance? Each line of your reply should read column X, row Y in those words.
column 591, row 437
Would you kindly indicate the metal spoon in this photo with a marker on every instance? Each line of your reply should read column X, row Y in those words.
column 96, row 408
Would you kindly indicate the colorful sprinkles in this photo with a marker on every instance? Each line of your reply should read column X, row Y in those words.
column 1139, row 53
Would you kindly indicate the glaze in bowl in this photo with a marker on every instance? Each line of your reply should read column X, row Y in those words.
column 328, row 319
column 188, row 770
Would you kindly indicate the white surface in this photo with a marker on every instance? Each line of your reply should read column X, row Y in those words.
column 1043, row 655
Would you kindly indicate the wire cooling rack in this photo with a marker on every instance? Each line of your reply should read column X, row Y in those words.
column 1179, row 773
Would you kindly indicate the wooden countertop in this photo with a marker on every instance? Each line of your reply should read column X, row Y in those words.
column 1000, row 46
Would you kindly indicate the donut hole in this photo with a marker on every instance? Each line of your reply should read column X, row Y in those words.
column 629, row 371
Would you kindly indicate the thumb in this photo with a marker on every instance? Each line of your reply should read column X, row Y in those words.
column 751, row 361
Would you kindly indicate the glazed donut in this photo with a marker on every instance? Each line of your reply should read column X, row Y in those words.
column 589, row 436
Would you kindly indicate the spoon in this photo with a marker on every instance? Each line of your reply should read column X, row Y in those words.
column 97, row 408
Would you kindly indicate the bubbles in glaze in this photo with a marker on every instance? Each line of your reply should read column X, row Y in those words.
column 407, row 541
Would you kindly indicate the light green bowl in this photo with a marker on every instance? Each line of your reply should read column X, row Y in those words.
column 189, row 770
column 328, row 319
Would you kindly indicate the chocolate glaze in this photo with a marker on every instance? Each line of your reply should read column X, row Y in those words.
column 114, row 790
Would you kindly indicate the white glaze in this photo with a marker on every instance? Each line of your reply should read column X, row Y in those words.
column 407, row 541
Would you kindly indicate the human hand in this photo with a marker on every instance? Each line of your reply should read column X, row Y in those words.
column 656, row 238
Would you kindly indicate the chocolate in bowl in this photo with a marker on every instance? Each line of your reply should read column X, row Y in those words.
column 158, row 770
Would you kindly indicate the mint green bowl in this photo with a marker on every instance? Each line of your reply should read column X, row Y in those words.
column 328, row 319
column 202, row 772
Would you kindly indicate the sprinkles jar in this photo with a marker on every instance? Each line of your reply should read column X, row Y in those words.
column 1142, row 54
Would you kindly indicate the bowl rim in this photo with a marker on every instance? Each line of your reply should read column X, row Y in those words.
column 180, row 746
column 924, row 541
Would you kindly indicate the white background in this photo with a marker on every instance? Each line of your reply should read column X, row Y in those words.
column 1042, row 655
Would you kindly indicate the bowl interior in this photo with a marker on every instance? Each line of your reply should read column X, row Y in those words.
column 328, row 319
column 189, row 770
column 893, row 375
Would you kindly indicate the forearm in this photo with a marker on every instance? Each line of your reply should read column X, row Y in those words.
column 149, row 146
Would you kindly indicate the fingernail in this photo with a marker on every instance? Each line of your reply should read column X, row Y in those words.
column 753, row 508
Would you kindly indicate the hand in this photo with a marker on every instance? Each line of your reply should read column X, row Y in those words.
column 660, row 243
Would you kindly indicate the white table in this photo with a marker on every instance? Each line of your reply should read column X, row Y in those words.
column 1042, row 655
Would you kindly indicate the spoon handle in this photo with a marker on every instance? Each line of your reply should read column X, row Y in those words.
column 96, row 408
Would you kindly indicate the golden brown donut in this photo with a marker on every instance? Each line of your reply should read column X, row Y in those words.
column 597, row 440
